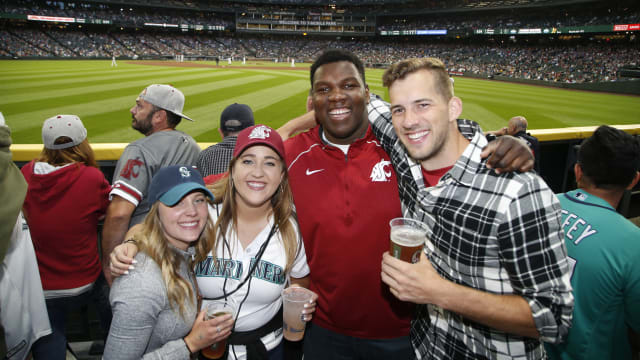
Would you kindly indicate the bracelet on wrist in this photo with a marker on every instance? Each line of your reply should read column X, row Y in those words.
column 133, row 241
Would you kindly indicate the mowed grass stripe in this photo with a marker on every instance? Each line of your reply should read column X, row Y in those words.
column 80, row 88
column 208, row 116
column 275, row 96
column 52, row 74
column 33, row 119
column 78, row 81
column 297, row 74
column 278, row 113
column 90, row 73
column 598, row 112
column 555, row 96
column 487, row 118
column 257, row 95
column 112, row 90
column 231, row 89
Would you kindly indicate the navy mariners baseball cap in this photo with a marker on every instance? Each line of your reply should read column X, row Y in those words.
column 170, row 184
column 236, row 117
column 259, row 135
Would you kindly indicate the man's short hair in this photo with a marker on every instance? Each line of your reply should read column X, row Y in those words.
column 336, row 55
column 401, row 69
column 172, row 119
column 517, row 124
column 610, row 158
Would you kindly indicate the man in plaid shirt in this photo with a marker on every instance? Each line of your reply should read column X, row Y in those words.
column 496, row 283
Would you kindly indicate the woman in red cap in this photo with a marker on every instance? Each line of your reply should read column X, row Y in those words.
column 257, row 249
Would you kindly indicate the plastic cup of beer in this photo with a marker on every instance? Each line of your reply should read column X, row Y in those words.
column 408, row 238
column 213, row 309
column 293, row 300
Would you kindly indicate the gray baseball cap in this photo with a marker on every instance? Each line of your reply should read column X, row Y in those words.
column 63, row 125
column 165, row 97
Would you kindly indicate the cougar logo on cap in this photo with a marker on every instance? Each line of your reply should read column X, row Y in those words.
column 259, row 135
column 260, row 132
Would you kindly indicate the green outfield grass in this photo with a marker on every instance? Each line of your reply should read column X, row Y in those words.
column 32, row 91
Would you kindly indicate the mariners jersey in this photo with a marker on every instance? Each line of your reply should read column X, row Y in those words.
column 344, row 204
column 605, row 250
column 269, row 279
column 140, row 161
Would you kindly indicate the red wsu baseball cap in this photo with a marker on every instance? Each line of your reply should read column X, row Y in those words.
column 259, row 135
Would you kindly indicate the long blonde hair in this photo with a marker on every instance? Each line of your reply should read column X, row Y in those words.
column 81, row 153
column 155, row 244
column 281, row 204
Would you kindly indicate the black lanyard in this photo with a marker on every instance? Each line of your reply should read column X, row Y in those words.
column 263, row 247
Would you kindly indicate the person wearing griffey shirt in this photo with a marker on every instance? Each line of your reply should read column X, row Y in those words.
column 604, row 248
column 157, row 112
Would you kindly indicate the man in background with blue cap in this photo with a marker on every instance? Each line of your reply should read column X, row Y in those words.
column 215, row 159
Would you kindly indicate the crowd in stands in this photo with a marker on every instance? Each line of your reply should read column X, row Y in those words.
column 588, row 62
column 591, row 62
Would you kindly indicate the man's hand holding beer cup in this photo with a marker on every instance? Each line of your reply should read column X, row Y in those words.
column 418, row 283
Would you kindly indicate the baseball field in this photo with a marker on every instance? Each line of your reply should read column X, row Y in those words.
column 33, row 90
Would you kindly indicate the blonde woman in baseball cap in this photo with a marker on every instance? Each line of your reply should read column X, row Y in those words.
column 66, row 198
column 257, row 250
column 155, row 308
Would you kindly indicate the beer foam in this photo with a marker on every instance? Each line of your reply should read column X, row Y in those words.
column 408, row 236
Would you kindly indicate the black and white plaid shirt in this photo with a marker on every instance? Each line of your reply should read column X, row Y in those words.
column 215, row 159
column 496, row 233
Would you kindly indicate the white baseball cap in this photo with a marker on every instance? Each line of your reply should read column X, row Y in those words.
column 63, row 125
column 165, row 97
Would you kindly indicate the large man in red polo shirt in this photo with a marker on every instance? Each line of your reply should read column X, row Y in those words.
column 345, row 192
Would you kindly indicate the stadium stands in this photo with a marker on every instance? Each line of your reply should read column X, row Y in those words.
column 490, row 38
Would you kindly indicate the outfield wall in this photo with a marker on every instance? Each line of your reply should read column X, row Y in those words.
column 557, row 156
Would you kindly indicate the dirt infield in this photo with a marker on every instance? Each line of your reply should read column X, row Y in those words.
column 189, row 64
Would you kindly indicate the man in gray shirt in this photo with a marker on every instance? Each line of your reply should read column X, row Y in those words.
column 157, row 112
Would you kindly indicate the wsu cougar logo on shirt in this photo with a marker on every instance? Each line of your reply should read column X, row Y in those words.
column 381, row 171
column 131, row 168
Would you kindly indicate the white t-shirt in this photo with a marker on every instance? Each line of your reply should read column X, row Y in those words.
column 264, row 288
